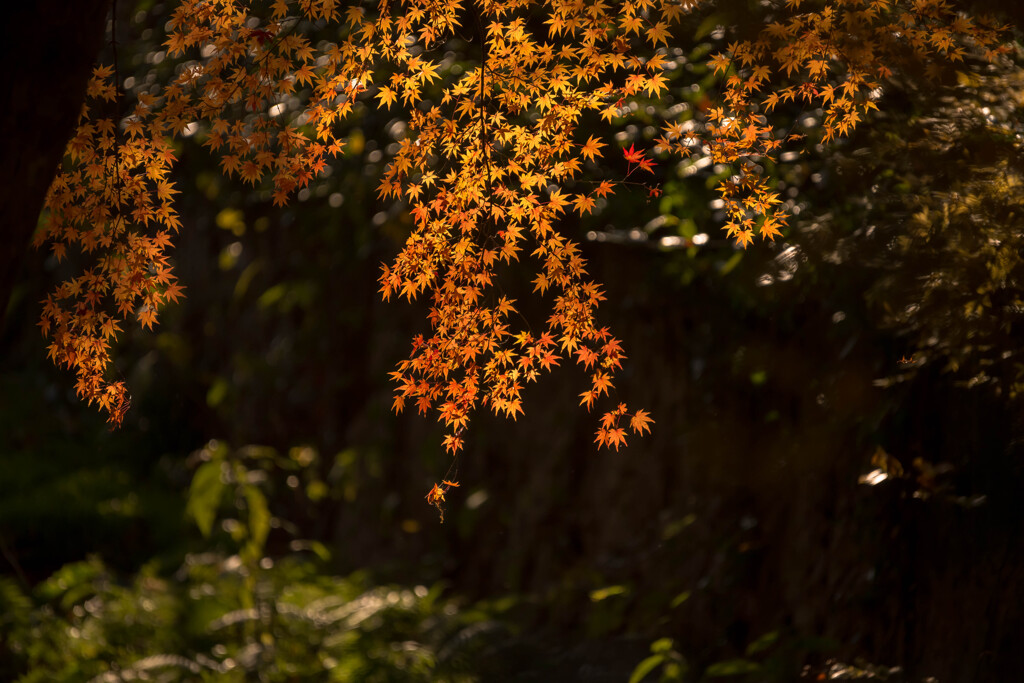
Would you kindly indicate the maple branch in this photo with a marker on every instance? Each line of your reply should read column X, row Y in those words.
column 535, row 94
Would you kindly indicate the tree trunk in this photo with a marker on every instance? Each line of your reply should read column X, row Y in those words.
column 47, row 53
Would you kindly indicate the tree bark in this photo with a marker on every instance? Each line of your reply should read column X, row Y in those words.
column 47, row 53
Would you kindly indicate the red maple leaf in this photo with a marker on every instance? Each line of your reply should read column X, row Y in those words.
column 633, row 156
column 637, row 157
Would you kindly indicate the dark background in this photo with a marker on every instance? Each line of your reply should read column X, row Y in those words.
column 740, row 529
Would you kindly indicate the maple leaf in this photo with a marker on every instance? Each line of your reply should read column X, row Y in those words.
column 583, row 204
column 720, row 62
column 387, row 96
column 436, row 495
column 548, row 359
column 591, row 148
column 604, row 189
column 557, row 200
column 631, row 23
column 655, row 85
column 602, row 382
column 540, row 283
column 147, row 316
column 640, row 421
column 770, row 228
column 632, row 156
column 428, row 72
column 614, row 436
column 588, row 398
column 452, row 444
column 173, row 291
column 586, row 356
column 744, row 237
column 658, row 34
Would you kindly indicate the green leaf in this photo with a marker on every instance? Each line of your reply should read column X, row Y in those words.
column 15, row 606
column 673, row 671
column 72, row 582
column 204, row 495
column 662, row 646
column 320, row 550
column 607, row 592
column 259, row 516
column 645, row 667
column 763, row 643
column 732, row 667
column 317, row 490
column 679, row 599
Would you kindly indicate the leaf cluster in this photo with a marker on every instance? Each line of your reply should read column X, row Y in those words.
column 493, row 160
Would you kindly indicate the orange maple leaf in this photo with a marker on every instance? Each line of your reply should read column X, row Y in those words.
column 640, row 421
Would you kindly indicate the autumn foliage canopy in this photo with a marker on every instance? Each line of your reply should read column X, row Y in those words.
column 493, row 158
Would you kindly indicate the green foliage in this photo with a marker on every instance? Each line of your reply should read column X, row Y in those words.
column 663, row 654
column 205, row 494
column 230, row 611
column 770, row 657
column 85, row 624
column 926, row 203
column 731, row 667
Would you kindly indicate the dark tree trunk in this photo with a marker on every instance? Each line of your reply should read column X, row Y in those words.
column 46, row 55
